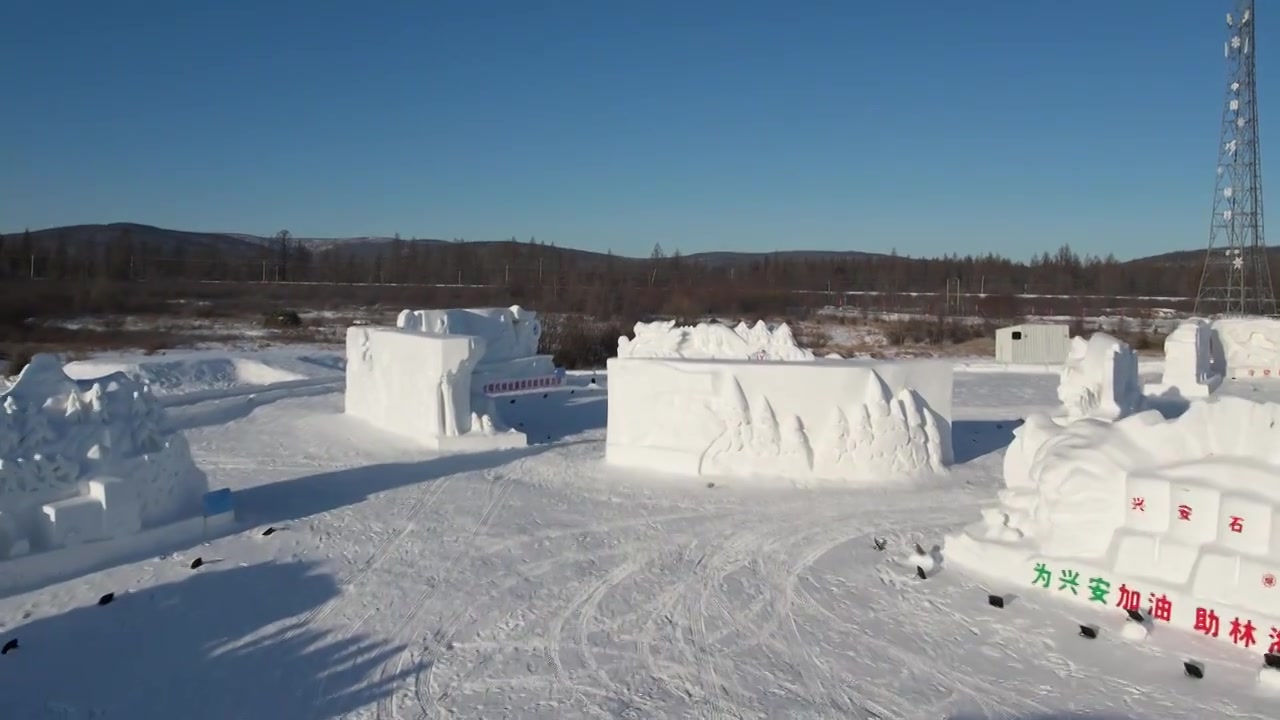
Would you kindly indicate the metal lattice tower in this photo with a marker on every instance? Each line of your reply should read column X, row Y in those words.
column 1237, row 276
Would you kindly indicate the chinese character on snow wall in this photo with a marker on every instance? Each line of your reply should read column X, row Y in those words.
column 1098, row 590
column 1139, row 504
column 1184, row 512
column 1161, row 608
column 1129, row 599
column 1043, row 576
column 1070, row 580
column 1243, row 634
column 1237, row 524
column 1207, row 622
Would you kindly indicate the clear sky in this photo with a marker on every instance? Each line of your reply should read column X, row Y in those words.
column 936, row 126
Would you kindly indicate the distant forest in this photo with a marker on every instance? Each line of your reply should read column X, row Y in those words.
column 575, row 280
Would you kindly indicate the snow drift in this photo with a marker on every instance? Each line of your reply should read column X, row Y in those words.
column 420, row 386
column 830, row 420
column 83, row 461
column 1188, row 362
column 712, row 341
column 1099, row 379
column 1178, row 517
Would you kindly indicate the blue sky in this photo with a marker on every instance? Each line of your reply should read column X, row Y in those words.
column 939, row 126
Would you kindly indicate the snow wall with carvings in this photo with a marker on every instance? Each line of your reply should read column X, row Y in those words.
column 510, row 343
column 824, row 420
column 420, row 386
column 1246, row 347
column 89, row 460
column 712, row 341
column 1099, row 379
column 1188, row 362
column 1180, row 518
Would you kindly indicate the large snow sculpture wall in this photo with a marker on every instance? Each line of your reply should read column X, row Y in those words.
column 509, row 359
column 1188, row 362
column 712, row 341
column 82, row 461
column 419, row 386
column 830, row 420
column 1250, row 347
column 1180, row 517
column 1099, row 379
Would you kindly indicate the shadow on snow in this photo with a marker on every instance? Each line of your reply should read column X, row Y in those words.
column 201, row 647
column 972, row 439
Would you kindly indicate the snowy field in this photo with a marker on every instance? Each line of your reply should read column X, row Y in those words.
column 539, row 584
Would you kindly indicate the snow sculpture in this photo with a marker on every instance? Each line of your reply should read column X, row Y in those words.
column 825, row 420
column 1099, row 379
column 1248, row 347
column 87, row 461
column 712, row 341
column 1179, row 517
column 419, row 386
column 509, row 360
column 1188, row 362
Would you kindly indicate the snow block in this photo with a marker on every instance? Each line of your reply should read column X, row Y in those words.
column 1249, row 347
column 69, row 446
column 1188, row 362
column 508, row 333
column 824, row 420
column 712, row 341
column 72, row 522
column 1099, row 379
column 121, row 510
column 419, row 386
column 1174, row 517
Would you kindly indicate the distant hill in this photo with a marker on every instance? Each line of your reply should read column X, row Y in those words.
column 233, row 244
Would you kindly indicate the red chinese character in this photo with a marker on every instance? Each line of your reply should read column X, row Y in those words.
column 1184, row 512
column 1206, row 622
column 1268, row 580
column 1243, row 634
column 1161, row 608
column 1275, row 641
column 1140, row 504
column 1237, row 524
column 1129, row 599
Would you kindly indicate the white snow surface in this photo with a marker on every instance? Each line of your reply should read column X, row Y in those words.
column 509, row 333
column 540, row 583
column 828, row 420
column 1099, row 379
column 712, row 341
column 1250, row 346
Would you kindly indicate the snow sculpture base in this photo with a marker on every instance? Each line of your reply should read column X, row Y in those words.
column 87, row 461
column 419, row 386
column 712, row 341
column 825, row 420
column 1249, row 347
column 1099, row 379
column 1188, row 363
column 1177, row 517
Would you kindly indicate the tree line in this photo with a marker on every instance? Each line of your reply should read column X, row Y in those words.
column 560, row 277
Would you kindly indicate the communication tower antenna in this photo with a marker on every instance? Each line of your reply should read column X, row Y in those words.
column 1237, row 277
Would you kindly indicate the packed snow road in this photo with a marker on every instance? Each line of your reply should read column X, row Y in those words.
column 540, row 584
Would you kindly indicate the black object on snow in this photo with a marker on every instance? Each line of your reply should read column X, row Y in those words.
column 1194, row 669
column 1089, row 631
column 995, row 601
column 920, row 573
column 11, row 645
column 920, row 550
column 268, row 531
column 197, row 563
column 1136, row 616
column 880, row 543
column 1271, row 660
column 106, row 599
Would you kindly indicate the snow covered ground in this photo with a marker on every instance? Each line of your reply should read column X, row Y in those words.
column 537, row 583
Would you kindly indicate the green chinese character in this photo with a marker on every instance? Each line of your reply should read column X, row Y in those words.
column 1098, row 589
column 1070, row 580
column 1043, row 576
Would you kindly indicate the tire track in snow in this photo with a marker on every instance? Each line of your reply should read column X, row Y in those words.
column 423, row 500
column 500, row 486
